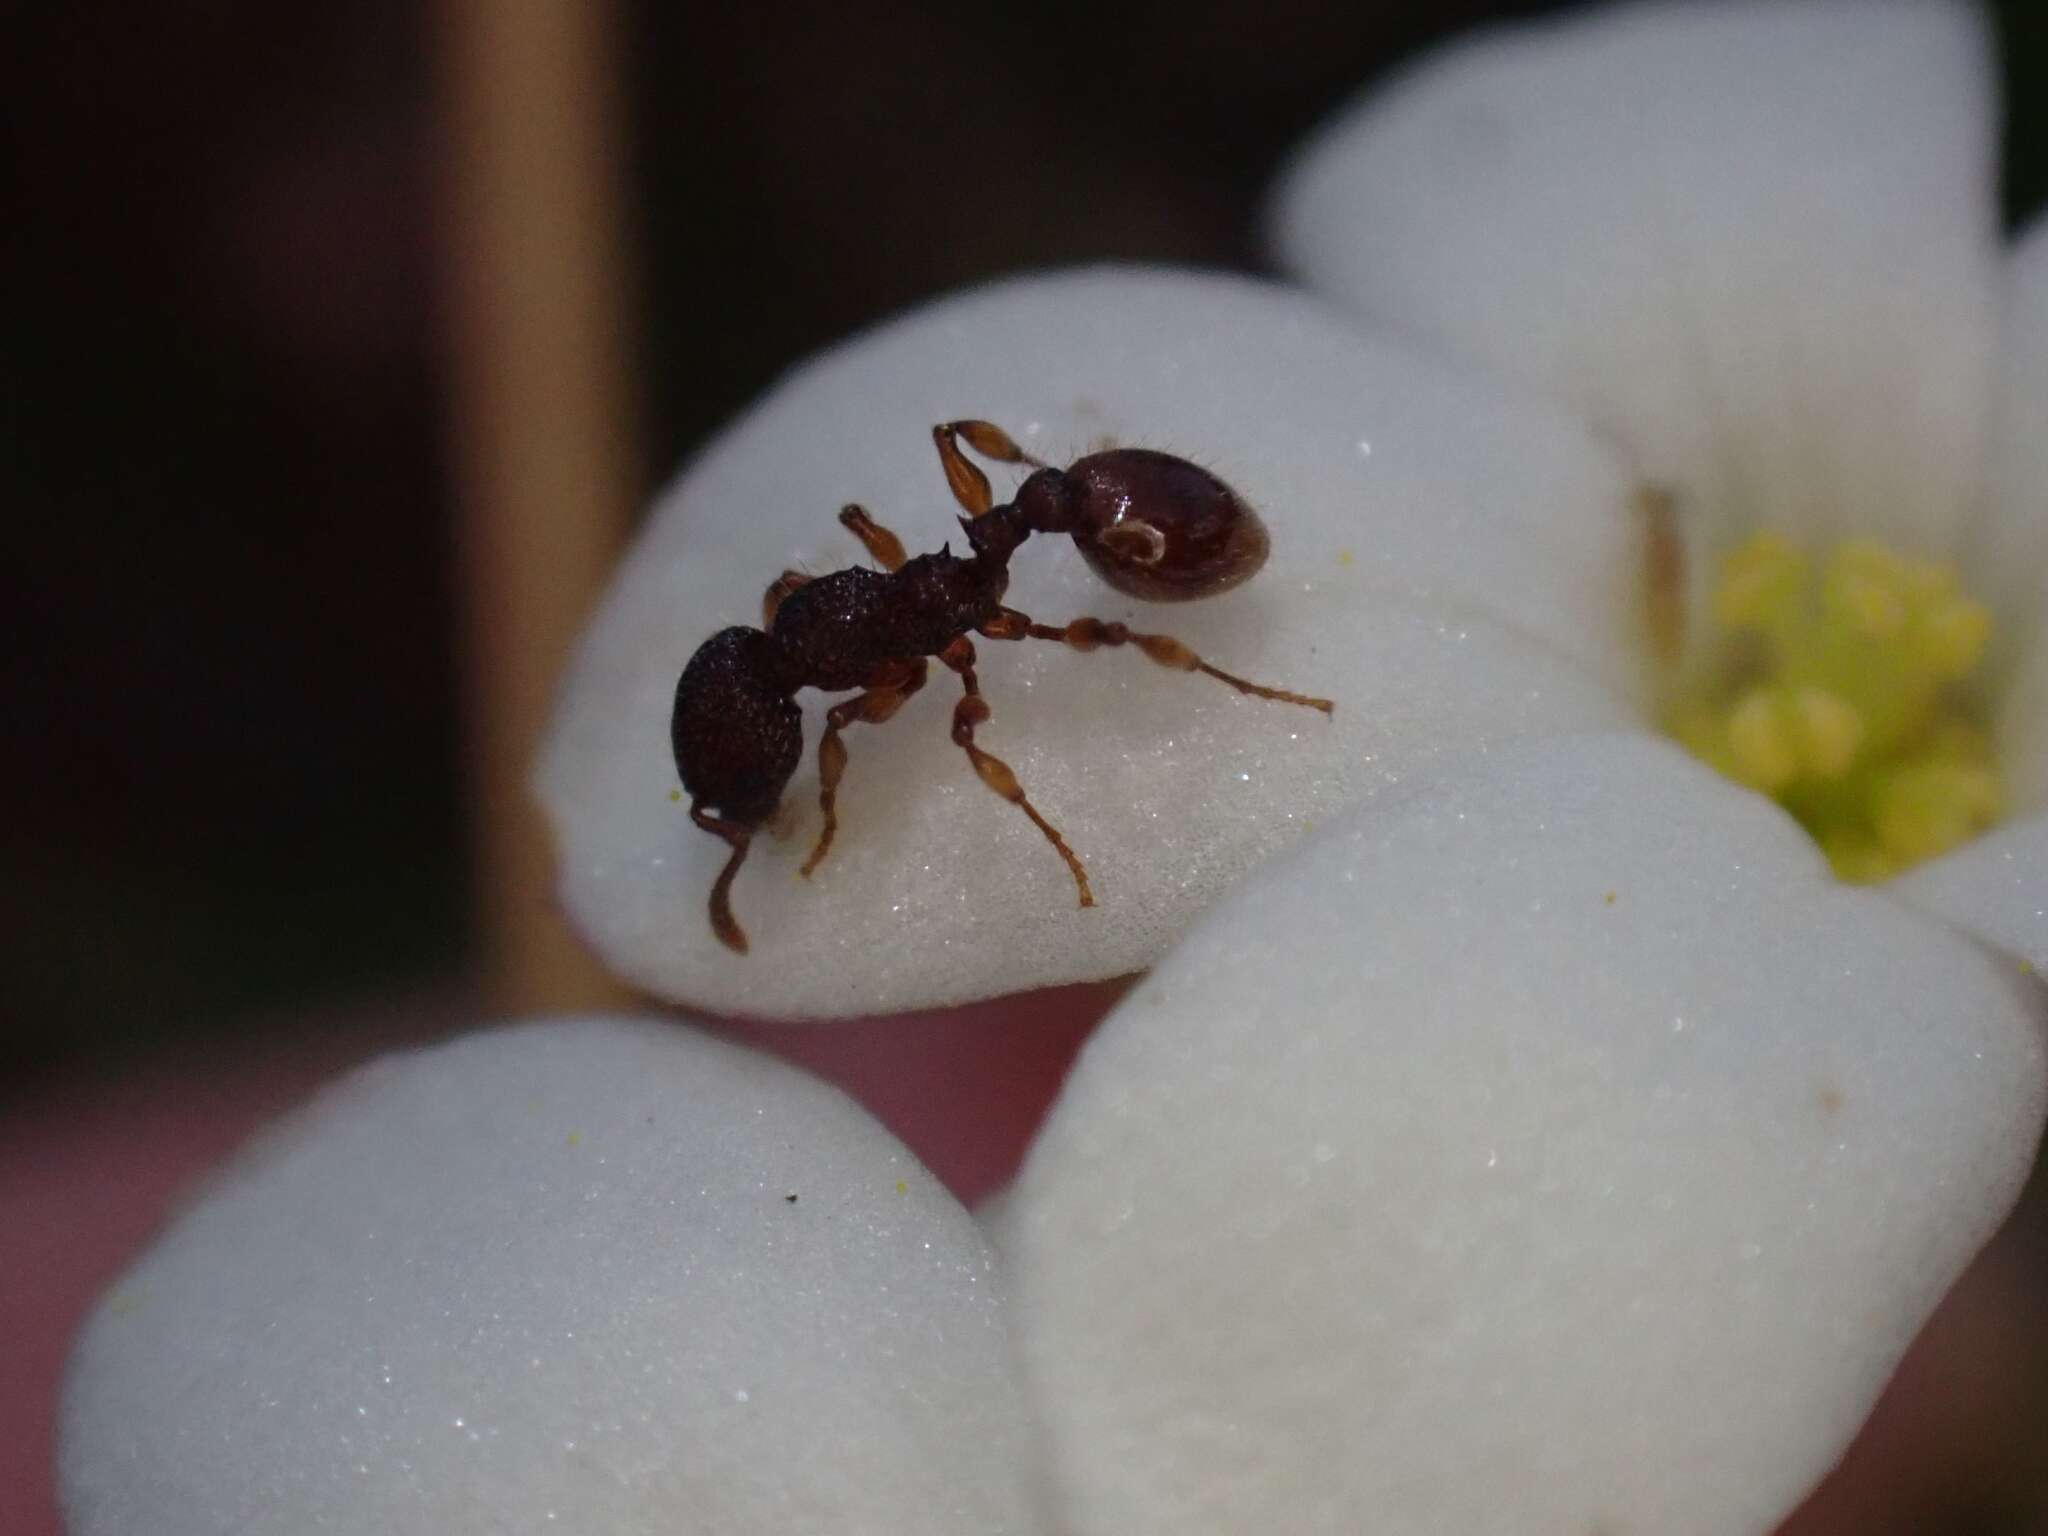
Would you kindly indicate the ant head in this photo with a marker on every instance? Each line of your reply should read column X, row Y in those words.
column 1157, row 527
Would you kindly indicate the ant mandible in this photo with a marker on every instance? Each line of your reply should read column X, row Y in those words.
column 1152, row 525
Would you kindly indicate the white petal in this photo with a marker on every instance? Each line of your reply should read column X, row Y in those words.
column 550, row 1279
column 1995, row 889
column 1754, row 241
column 2009, row 548
column 1559, row 1149
column 1450, row 566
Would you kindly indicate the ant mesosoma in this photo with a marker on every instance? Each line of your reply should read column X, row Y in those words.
column 1152, row 525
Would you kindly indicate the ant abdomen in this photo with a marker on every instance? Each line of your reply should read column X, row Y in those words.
column 1158, row 527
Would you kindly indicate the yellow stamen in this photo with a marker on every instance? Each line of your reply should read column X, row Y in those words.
column 1839, row 687
column 1764, row 755
column 1953, row 634
column 1759, row 583
column 1830, row 731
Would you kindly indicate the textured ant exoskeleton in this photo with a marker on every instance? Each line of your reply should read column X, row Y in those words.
column 1151, row 524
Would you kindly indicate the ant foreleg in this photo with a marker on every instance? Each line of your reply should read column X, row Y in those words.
column 778, row 589
column 883, row 547
column 1087, row 634
column 723, row 923
column 973, row 710
column 892, row 684
column 970, row 486
column 992, row 442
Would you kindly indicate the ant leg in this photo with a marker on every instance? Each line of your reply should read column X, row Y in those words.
column 722, row 921
column 1087, row 634
column 892, row 684
column 992, row 442
column 778, row 589
column 883, row 547
column 973, row 710
column 970, row 486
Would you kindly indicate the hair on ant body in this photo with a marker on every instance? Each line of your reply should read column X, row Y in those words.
column 1150, row 524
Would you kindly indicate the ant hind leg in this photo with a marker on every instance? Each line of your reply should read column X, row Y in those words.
column 1088, row 634
column 892, row 684
column 973, row 710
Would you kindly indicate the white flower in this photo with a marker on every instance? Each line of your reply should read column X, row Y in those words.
column 1550, row 1144
column 1755, row 245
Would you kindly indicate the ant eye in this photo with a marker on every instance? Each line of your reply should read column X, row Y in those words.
column 1157, row 527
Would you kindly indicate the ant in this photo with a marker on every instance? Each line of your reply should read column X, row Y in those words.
column 1152, row 525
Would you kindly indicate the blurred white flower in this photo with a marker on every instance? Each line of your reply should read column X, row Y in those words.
column 584, row 1276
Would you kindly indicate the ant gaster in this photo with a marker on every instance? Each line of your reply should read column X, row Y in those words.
column 1151, row 525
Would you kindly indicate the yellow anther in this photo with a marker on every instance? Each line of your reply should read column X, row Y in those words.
column 1927, row 582
column 1759, row 582
column 1830, row 693
column 1959, row 742
column 1925, row 811
column 1830, row 732
column 1873, row 609
column 1952, row 635
column 1760, row 745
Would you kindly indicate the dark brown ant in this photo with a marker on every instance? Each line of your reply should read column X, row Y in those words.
column 1151, row 525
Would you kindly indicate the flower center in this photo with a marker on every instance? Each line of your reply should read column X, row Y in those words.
column 1842, row 688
